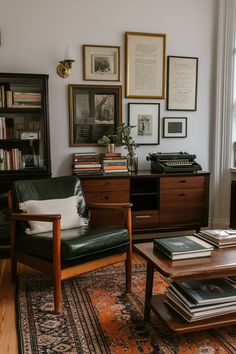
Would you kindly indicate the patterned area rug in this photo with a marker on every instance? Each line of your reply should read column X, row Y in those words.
column 99, row 317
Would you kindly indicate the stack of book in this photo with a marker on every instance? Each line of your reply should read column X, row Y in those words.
column 219, row 238
column 183, row 247
column 86, row 163
column 113, row 163
column 10, row 159
column 26, row 100
column 203, row 299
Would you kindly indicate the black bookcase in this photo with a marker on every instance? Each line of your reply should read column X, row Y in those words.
column 24, row 137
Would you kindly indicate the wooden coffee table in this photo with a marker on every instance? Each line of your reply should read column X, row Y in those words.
column 220, row 264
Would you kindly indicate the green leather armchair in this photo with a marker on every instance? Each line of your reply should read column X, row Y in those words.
column 63, row 254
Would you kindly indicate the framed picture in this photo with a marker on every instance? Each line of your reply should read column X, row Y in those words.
column 174, row 127
column 101, row 63
column 182, row 75
column 145, row 65
column 28, row 135
column 94, row 111
column 145, row 117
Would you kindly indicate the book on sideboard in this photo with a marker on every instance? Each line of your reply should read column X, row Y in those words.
column 183, row 247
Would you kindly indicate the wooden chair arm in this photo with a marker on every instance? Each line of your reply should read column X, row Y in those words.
column 109, row 206
column 35, row 217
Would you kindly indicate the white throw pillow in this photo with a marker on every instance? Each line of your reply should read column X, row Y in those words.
column 66, row 207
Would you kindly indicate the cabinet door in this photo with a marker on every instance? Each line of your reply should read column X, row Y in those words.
column 182, row 206
column 106, row 190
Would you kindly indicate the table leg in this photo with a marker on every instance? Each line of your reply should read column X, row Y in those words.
column 148, row 291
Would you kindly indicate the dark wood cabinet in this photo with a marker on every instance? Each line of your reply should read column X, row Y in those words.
column 183, row 200
column 24, row 136
column 160, row 201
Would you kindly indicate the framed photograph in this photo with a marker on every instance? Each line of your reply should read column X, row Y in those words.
column 101, row 63
column 94, row 111
column 28, row 135
column 145, row 117
column 182, row 76
column 145, row 65
column 174, row 127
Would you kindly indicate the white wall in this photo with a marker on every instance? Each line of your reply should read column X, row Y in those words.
column 35, row 33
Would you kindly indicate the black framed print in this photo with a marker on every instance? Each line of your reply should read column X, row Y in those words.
column 174, row 127
column 94, row 111
column 182, row 77
column 145, row 118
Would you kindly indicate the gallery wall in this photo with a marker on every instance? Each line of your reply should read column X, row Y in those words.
column 34, row 35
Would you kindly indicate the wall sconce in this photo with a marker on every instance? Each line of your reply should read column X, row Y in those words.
column 65, row 66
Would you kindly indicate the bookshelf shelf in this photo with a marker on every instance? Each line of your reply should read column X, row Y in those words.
column 24, row 133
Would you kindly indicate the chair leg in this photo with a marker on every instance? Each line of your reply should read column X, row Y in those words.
column 128, row 269
column 57, row 294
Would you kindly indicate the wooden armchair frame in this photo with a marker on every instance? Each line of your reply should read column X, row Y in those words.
column 54, row 269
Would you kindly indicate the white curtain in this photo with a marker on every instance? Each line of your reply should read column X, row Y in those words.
column 222, row 147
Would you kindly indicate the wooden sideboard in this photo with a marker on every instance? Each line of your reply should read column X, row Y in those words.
column 161, row 202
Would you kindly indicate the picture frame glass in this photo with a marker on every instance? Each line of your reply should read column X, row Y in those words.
column 145, row 65
column 182, row 77
column 101, row 63
column 94, row 111
column 145, row 118
column 174, row 127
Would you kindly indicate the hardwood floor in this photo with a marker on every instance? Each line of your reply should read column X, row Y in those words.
column 8, row 334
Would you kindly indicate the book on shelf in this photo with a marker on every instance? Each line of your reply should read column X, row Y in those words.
column 183, row 247
column 202, row 312
column 3, row 128
column 208, row 291
column 218, row 237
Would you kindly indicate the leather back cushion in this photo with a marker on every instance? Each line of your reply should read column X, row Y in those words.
column 49, row 188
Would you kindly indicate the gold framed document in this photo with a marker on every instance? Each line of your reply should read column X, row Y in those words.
column 182, row 75
column 145, row 65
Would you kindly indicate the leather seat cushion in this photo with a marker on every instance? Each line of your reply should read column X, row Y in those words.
column 78, row 245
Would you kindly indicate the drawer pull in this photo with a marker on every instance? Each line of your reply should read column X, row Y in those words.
column 182, row 195
column 182, row 181
column 143, row 216
column 105, row 197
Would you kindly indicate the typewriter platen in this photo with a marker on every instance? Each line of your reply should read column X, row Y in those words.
column 173, row 162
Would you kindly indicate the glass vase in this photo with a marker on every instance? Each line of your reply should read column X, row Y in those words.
column 132, row 162
column 110, row 148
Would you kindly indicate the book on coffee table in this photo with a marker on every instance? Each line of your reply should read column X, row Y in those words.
column 218, row 237
column 208, row 291
column 196, row 300
column 183, row 247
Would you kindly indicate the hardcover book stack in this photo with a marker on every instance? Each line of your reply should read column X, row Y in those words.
column 86, row 163
column 113, row 163
column 10, row 159
column 183, row 247
column 219, row 238
column 203, row 299
column 25, row 100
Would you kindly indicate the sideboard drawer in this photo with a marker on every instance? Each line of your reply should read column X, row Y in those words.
column 103, row 185
column 145, row 219
column 181, row 182
column 108, row 197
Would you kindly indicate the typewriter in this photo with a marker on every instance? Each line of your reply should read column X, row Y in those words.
column 173, row 162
